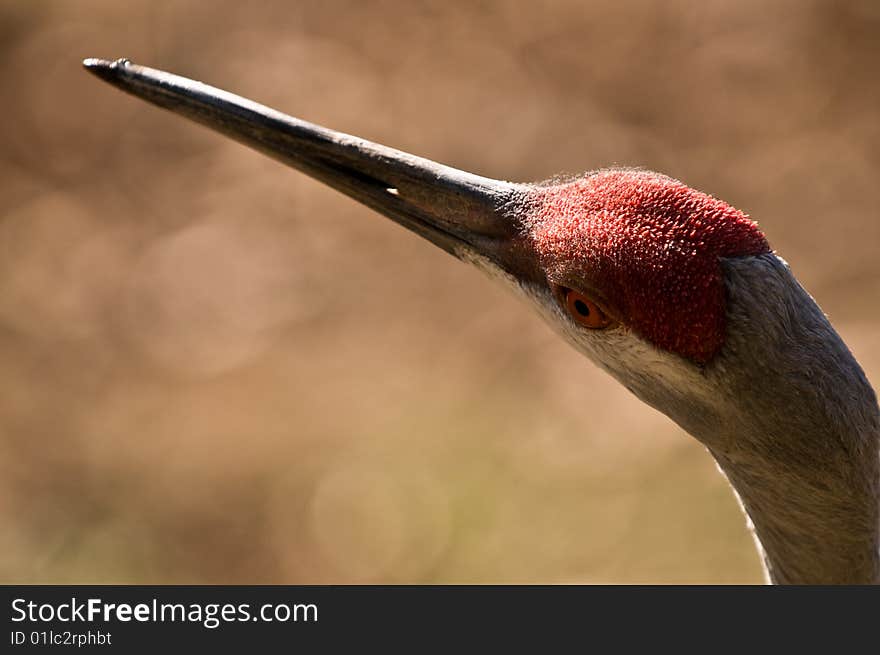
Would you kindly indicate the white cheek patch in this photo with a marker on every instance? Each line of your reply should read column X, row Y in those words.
column 647, row 371
column 650, row 373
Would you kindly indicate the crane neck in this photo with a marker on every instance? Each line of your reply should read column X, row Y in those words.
column 811, row 529
column 800, row 437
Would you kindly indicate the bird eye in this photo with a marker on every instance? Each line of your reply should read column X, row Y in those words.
column 584, row 311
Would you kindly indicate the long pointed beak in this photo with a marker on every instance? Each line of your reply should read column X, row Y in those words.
column 457, row 211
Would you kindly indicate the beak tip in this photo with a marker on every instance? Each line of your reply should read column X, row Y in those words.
column 104, row 68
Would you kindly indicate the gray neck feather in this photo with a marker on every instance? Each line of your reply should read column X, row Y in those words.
column 799, row 441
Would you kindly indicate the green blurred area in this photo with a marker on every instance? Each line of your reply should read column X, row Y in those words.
column 213, row 369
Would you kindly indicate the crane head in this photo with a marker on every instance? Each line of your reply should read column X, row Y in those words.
column 615, row 249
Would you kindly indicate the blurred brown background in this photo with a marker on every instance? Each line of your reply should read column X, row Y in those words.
column 213, row 369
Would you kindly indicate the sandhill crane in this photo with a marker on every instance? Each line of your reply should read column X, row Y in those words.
column 674, row 293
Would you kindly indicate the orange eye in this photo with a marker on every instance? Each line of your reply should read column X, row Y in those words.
column 585, row 311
